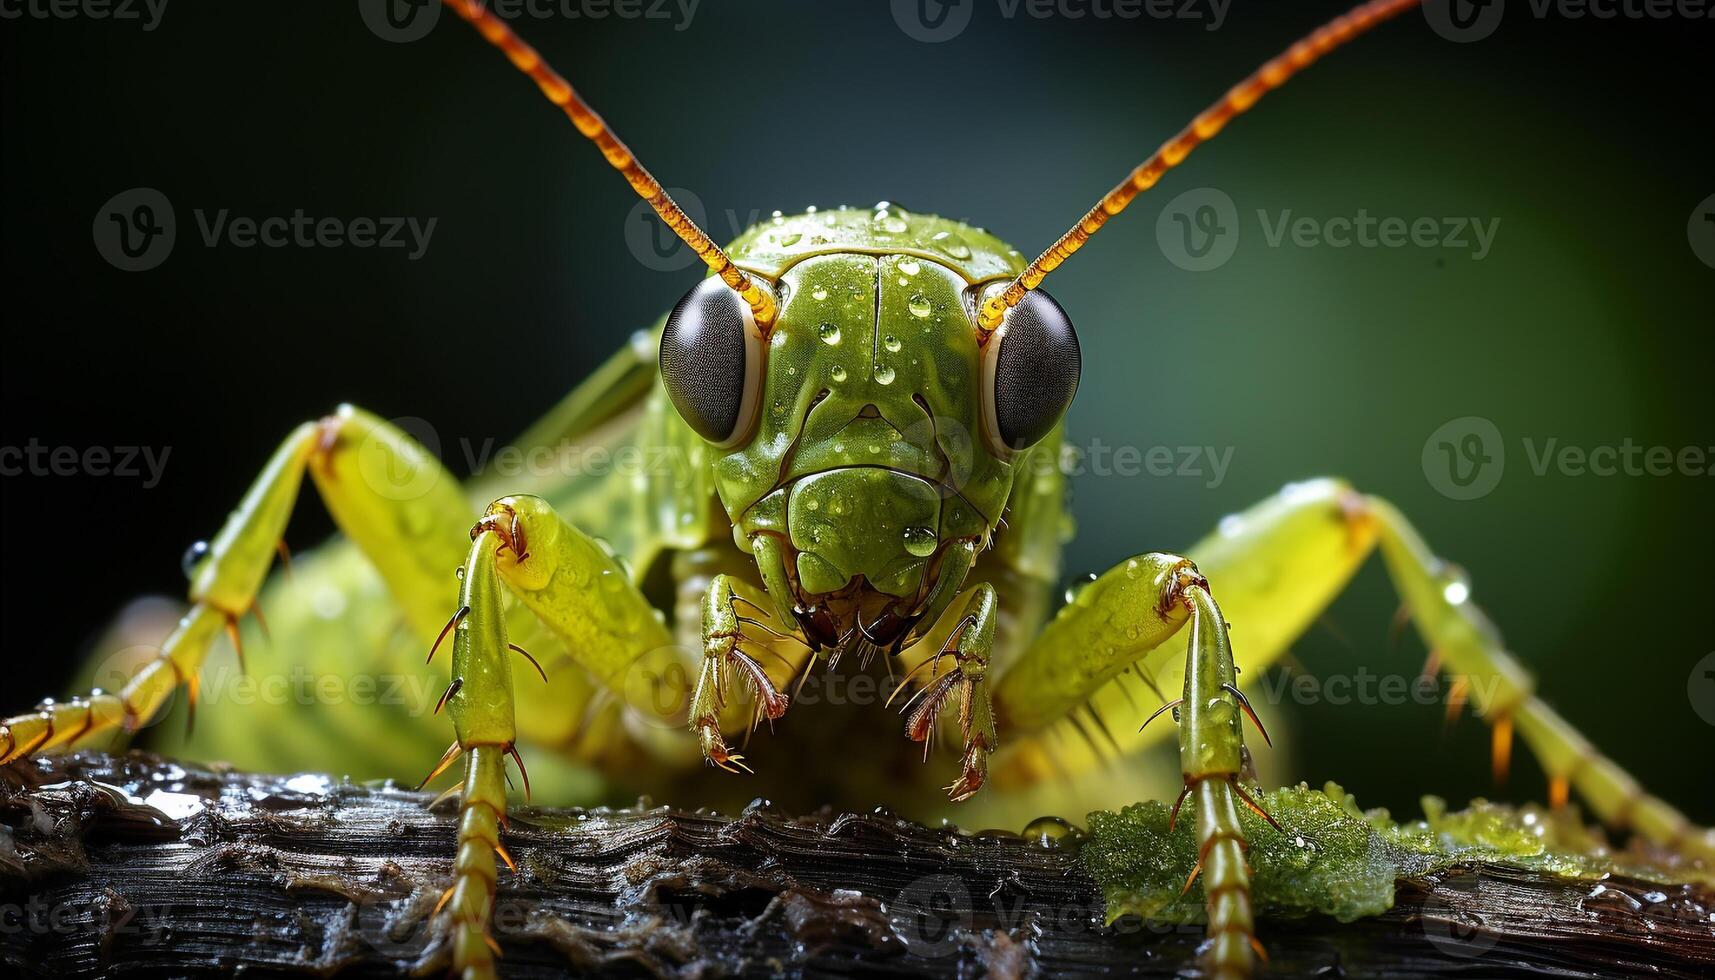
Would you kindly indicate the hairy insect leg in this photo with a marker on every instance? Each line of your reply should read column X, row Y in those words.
column 1469, row 649
column 384, row 491
column 479, row 700
column 1127, row 614
column 1212, row 760
column 744, row 638
column 955, row 673
column 578, row 590
column 1279, row 564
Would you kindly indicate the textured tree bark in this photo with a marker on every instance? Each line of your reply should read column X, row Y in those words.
column 134, row 865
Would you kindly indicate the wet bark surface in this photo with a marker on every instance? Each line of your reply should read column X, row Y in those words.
column 133, row 865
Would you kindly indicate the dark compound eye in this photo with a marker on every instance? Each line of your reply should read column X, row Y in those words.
column 711, row 362
column 1030, row 372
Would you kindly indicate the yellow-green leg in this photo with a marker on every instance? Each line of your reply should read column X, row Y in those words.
column 1276, row 566
column 1128, row 612
column 385, row 492
column 480, row 703
column 581, row 594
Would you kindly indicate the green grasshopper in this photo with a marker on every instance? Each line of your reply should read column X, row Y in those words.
column 857, row 421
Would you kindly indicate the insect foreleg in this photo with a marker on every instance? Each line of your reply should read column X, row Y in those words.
column 385, row 492
column 956, row 673
column 743, row 638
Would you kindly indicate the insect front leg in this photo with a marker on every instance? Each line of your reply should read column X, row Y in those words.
column 1127, row 613
column 743, row 635
column 957, row 674
column 385, row 492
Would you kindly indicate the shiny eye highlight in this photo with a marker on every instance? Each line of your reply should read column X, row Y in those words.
column 1030, row 373
column 711, row 362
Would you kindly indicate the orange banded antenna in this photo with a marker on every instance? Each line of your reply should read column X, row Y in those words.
column 619, row 156
column 1239, row 98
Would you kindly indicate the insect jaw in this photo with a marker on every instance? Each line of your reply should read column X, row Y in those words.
column 857, row 614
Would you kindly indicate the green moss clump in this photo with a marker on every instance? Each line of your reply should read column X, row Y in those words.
column 1327, row 858
column 1331, row 858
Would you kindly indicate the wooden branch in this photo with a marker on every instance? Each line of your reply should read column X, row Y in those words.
column 212, row 872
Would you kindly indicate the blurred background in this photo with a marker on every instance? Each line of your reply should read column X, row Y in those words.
column 1581, row 317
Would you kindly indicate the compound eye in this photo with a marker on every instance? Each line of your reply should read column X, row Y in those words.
column 711, row 362
column 1030, row 373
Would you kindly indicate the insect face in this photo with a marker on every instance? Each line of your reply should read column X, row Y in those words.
column 868, row 431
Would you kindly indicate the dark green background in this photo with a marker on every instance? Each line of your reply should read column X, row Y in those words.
column 1588, row 323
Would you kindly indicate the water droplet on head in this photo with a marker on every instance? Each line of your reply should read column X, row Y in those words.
column 919, row 305
column 829, row 331
column 909, row 267
column 891, row 343
column 920, row 541
column 884, row 375
column 838, row 373
column 818, row 294
column 790, row 239
column 952, row 244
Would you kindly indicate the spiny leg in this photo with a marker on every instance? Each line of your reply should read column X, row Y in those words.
column 1128, row 613
column 584, row 597
column 480, row 703
column 385, row 492
column 743, row 635
column 964, row 682
column 1468, row 648
column 1278, row 565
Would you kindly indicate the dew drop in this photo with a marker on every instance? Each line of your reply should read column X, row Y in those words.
column 919, row 305
column 838, row 373
column 1050, row 832
column 818, row 294
column 884, row 375
column 891, row 343
column 920, row 541
column 909, row 267
column 952, row 244
column 829, row 331
column 193, row 557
